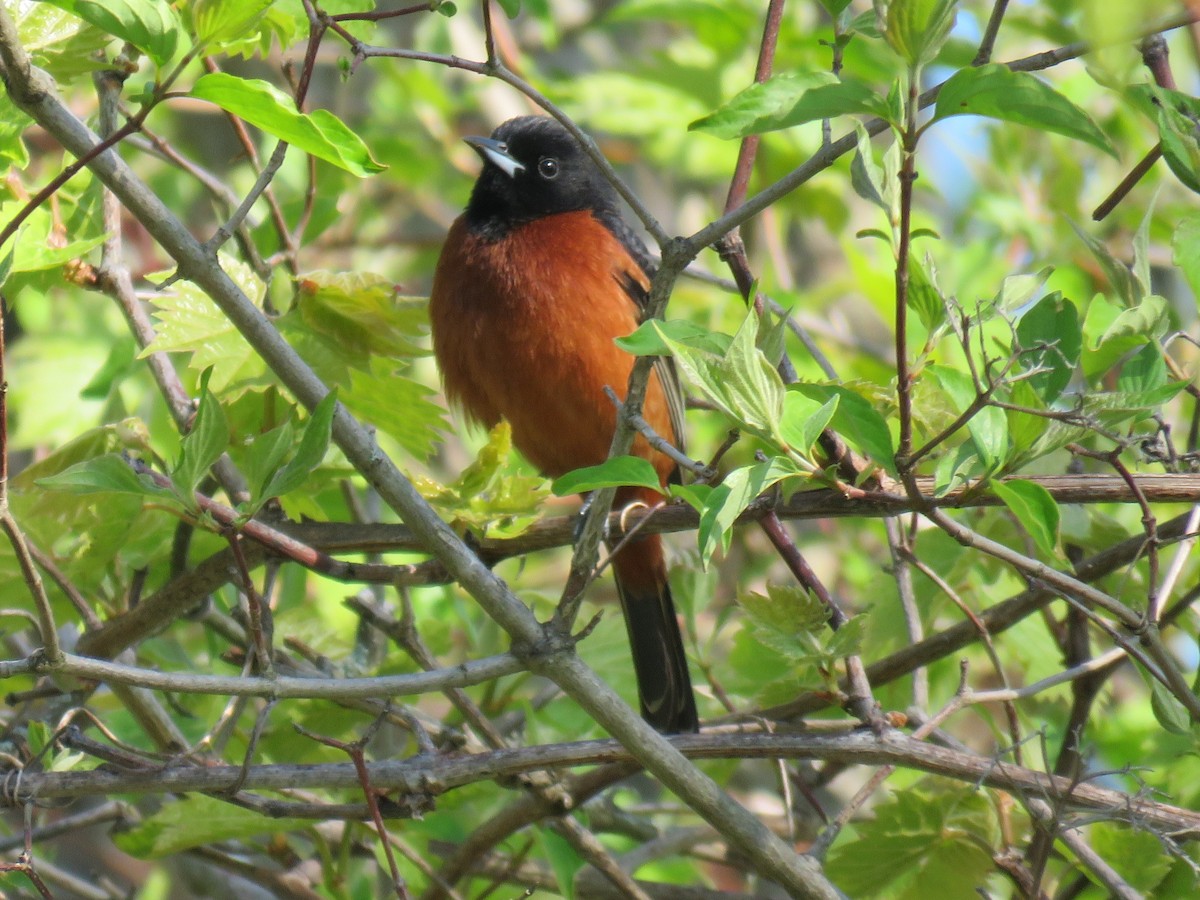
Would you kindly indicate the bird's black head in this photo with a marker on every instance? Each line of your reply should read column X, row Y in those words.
column 533, row 167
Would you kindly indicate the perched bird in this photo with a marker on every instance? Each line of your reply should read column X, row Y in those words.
column 535, row 280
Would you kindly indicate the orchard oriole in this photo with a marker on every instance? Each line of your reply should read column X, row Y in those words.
column 536, row 279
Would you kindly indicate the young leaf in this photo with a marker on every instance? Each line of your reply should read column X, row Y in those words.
column 998, row 92
column 917, row 29
column 319, row 133
column 217, row 21
column 856, row 420
column 803, row 420
column 150, row 25
column 741, row 383
column 619, row 471
column 202, row 445
column 1034, row 508
column 314, row 441
column 728, row 500
column 188, row 321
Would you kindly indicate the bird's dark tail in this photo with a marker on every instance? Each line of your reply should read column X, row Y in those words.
column 659, row 661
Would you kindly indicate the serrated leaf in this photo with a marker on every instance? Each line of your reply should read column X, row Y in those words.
column 187, row 321
column 319, row 133
column 789, row 100
column 195, row 820
column 397, row 405
column 918, row 838
column 619, row 471
column 363, row 312
column 1034, row 508
column 856, row 420
column 488, row 497
column 150, row 25
column 1177, row 134
column 997, row 92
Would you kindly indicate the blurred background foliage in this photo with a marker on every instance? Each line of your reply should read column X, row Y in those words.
column 997, row 199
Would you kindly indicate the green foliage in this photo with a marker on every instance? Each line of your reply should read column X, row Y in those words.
column 320, row 133
column 1032, row 332
column 615, row 472
column 194, row 821
column 1000, row 93
column 152, row 27
column 926, row 835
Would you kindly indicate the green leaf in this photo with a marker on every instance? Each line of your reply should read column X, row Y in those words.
column 1119, row 276
column 188, row 321
column 1175, row 114
column 319, row 133
column 202, row 445
column 988, row 427
column 620, row 471
column 1146, row 371
column 195, row 820
column 648, row 340
column 1186, row 247
column 917, row 29
column 729, row 499
column 150, row 25
column 924, row 297
column 310, row 452
column 804, row 419
column 1034, row 508
column 511, row 7
column 1170, row 713
column 363, row 312
column 997, row 92
column 856, row 420
column 399, row 406
column 866, row 177
column 742, row 383
column 922, row 836
column 787, row 619
column 788, row 100
column 565, row 862
column 1137, row 855
column 1051, row 340
column 488, row 497
column 108, row 473
column 217, row 21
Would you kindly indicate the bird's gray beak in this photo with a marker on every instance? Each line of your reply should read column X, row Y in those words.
column 496, row 153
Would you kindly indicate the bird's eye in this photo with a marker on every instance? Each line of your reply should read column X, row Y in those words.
column 548, row 167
